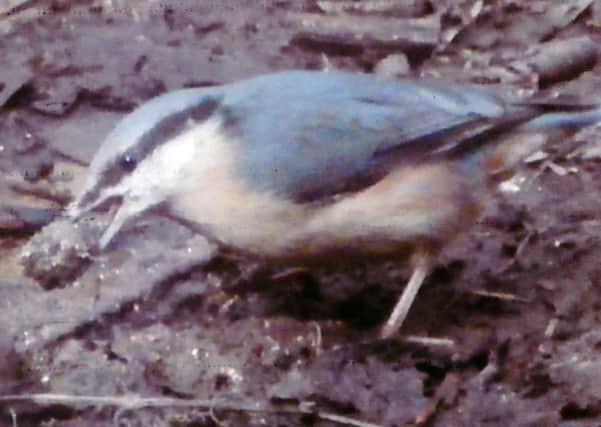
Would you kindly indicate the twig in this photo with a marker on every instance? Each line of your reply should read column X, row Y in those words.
column 498, row 295
column 522, row 245
column 445, row 393
column 429, row 341
column 214, row 417
column 318, row 339
column 388, row 7
column 41, row 191
column 289, row 272
column 17, row 8
column 13, row 417
column 133, row 401
column 551, row 327
column 559, row 60
column 355, row 35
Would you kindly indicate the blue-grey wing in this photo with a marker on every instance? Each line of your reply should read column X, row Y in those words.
column 308, row 135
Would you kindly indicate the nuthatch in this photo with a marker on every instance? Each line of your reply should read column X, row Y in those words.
column 302, row 165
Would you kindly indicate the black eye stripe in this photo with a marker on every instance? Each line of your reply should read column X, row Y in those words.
column 173, row 125
column 163, row 131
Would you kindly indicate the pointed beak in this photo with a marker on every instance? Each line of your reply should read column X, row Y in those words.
column 129, row 208
column 78, row 207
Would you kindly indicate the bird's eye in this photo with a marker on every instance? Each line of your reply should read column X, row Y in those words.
column 128, row 161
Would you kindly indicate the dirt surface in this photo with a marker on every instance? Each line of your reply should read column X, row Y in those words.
column 165, row 330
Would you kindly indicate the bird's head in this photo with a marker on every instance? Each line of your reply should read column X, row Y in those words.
column 147, row 157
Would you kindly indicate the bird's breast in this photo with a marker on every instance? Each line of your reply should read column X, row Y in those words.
column 429, row 203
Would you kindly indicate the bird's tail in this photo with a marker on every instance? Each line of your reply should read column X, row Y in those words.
column 498, row 150
column 571, row 118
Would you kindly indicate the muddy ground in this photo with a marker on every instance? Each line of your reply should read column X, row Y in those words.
column 165, row 330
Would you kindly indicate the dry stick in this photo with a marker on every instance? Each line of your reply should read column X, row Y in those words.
column 504, row 296
column 133, row 401
column 389, row 7
column 559, row 60
column 13, row 417
column 429, row 341
column 363, row 33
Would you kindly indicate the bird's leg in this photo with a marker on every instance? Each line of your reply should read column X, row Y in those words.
column 421, row 262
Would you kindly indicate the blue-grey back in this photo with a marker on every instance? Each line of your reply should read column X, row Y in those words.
column 307, row 134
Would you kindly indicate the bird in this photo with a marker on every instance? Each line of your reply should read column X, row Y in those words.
column 306, row 166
